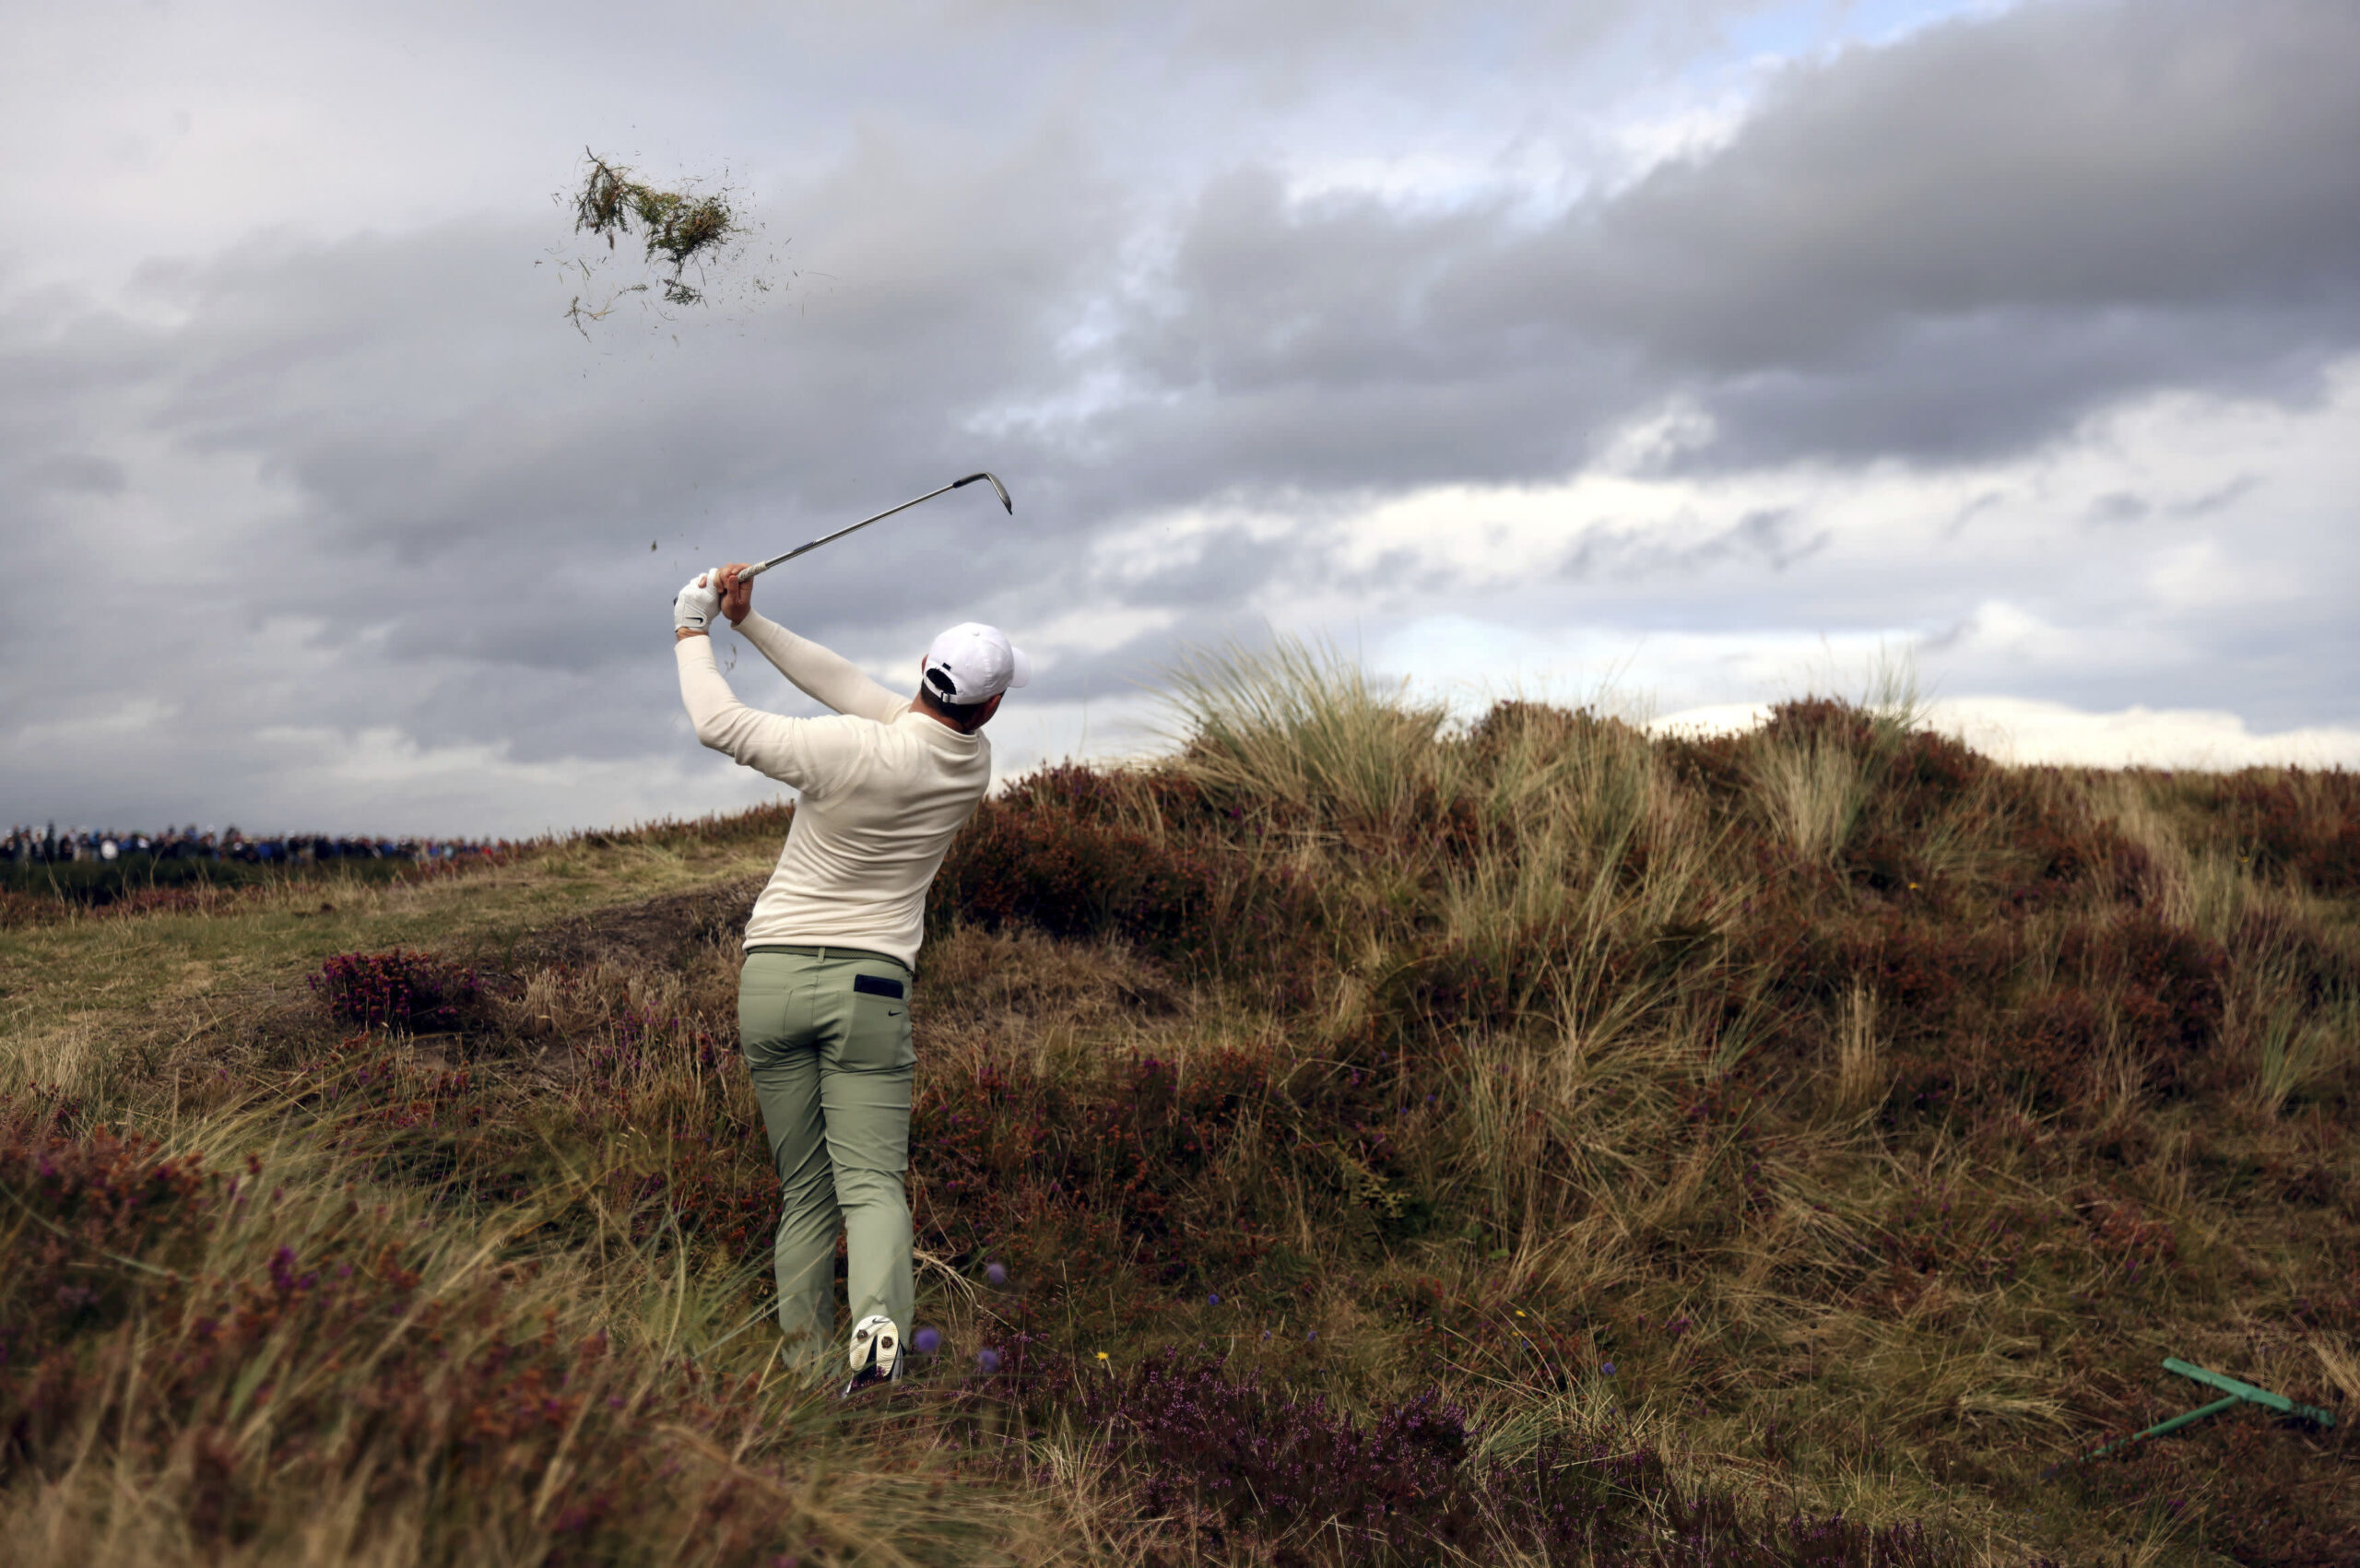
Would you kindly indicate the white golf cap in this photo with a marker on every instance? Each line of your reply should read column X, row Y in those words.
column 974, row 662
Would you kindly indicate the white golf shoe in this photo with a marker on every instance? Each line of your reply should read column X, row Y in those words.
column 876, row 1352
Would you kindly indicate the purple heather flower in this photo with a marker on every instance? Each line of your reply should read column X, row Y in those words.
column 928, row 1342
column 1213, row 1300
column 987, row 1360
column 997, row 1273
column 1608, row 1368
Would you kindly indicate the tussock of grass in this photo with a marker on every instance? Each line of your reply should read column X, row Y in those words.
column 678, row 226
column 283, row 1366
column 1352, row 1139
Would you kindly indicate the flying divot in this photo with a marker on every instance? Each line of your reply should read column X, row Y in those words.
column 679, row 230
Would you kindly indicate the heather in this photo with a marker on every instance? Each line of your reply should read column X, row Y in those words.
column 1353, row 1137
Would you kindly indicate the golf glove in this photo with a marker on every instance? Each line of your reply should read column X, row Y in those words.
column 698, row 605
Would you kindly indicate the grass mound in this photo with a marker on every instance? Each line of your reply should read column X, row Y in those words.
column 259, row 1366
column 1350, row 1139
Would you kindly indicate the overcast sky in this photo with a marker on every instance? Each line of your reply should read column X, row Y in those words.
column 1700, row 354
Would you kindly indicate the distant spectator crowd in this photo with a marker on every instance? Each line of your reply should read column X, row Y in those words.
column 47, row 845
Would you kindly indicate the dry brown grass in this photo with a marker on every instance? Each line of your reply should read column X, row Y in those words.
column 1838, row 1091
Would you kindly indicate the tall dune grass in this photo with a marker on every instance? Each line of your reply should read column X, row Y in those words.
column 1355, row 1138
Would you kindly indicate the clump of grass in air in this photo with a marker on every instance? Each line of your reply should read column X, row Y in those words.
column 678, row 227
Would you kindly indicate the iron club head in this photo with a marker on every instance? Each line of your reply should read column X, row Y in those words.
column 1006, row 504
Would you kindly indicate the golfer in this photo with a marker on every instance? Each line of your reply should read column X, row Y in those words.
column 823, row 1001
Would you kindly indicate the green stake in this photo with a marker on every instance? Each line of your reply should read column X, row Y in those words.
column 2237, row 1394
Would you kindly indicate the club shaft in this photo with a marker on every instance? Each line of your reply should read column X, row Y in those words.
column 756, row 570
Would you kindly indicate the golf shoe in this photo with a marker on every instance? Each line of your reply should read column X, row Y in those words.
column 876, row 1352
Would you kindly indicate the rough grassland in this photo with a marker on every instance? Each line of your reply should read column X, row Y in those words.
column 1349, row 1140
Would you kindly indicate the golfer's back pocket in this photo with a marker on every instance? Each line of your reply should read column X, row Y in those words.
column 877, row 1027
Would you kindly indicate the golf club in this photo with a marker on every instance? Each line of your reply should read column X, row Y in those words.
column 753, row 572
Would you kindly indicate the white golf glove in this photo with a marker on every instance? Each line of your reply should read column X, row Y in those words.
column 698, row 606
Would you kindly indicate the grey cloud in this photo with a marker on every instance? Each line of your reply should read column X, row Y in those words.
column 79, row 473
column 2118, row 508
column 378, row 481
column 1942, row 250
column 2090, row 155
column 470, row 491
column 2235, row 491
column 1777, row 537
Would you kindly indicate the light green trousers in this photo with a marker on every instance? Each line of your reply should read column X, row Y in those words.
column 827, row 1033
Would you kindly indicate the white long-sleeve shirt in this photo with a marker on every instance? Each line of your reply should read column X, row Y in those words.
column 884, row 790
